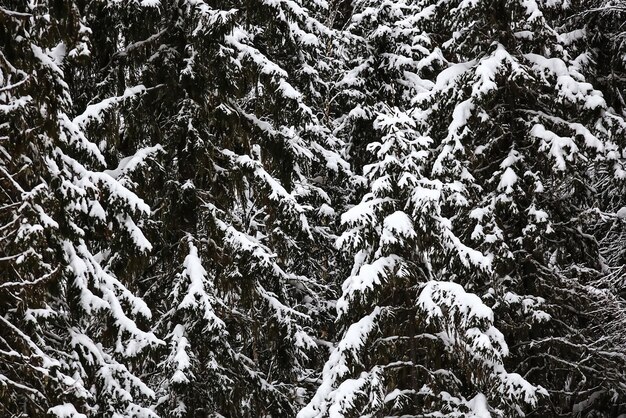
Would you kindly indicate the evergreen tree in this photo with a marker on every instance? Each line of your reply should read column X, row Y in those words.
column 602, row 40
column 514, row 107
column 71, row 327
column 181, row 234
column 243, row 199
column 414, row 343
column 600, row 25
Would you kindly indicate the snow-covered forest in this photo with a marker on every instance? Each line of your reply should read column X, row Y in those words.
column 312, row 208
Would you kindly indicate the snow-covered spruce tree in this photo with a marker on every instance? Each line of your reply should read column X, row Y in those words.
column 379, row 58
column 602, row 40
column 241, row 236
column 412, row 342
column 600, row 24
column 70, row 326
column 515, row 110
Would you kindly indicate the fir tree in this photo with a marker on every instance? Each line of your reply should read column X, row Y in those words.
column 181, row 233
column 71, row 328
column 414, row 342
column 514, row 107
column 232, row 95
column 599, row 24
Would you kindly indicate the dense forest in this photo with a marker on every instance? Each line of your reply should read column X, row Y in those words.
column 312, row 208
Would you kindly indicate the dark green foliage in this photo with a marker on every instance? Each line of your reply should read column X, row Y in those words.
column 255, row 208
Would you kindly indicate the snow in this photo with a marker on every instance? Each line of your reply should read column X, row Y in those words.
column 345, row 396
column 118, row 381
column 513, row 384
column 135, row 233
column 368, row 276
column 478, row 213
column 15, row 104
column 468, row 256
column 47, row 362
column 532, row 10
column 539, row 316
column 489, row 67
column 94, row 112
column 88, row 272
column 181, row 359
column 450, row 307
column 478, row 407
column 396, row 227
column 44, row 218
column 524, row 34
column 66, row 410
column 196, row 295
column 237, row 40
column 288, row 90
column 49, row 59
column 569, row 84
column 129, row 164
column 540, row 215
column 36, row 314
column 326, row 210
column 255, row 260
column 58, row 53
column 337, row 367
column 72, row 134
column 507, row 180
column 452, row 295
column 561, row 149
column 513, row 158
column 88, row 300
column 241, row 242
column 276, row 191
column 84, row 180
column 364, row 212
column 97, row 211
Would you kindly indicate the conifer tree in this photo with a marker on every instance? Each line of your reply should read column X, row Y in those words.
column 242, row 212
column 514, row 106
column 602, row 40
column 181, row 233
column 599, row 25
column 414, row 343
column 71, row 327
